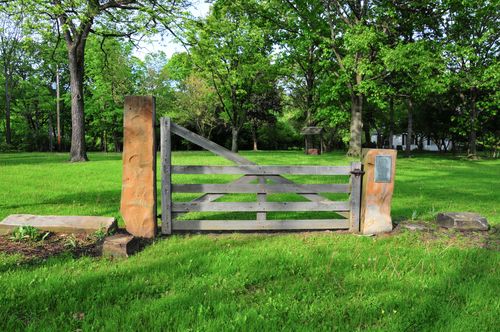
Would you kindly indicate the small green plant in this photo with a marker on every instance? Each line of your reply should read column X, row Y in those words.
column 71, row 242
column 28, row 233
column 100, row 234
column 414, row 215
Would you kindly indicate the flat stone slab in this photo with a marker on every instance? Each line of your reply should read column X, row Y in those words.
column 464, row 221
column 120, row 245
column 58, row 224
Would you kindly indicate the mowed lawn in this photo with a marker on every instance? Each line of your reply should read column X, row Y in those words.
column 298, row 281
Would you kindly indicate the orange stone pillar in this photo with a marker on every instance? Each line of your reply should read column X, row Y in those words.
column 379, row 166
column 138, row 201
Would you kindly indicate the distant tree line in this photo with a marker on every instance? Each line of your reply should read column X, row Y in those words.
column 254, row 73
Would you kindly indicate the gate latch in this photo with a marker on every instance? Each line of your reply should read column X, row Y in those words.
column 357, row 172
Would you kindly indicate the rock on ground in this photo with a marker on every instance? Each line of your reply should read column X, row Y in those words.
column 120, row 245
column 465, row 221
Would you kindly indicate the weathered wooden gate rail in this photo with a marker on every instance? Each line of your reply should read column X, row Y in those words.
column 264, row 170
column 252, row 172
column 260, row 188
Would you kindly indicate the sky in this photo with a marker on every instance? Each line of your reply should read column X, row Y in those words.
column 167, row 43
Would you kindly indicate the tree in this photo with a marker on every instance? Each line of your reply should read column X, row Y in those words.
column 108, row 79
column 181, row 93
column 355, row 40
column 263, row 107
column 152, row 77
column 233, row 53
column 472, row 48
column 300, row 32
column 10, row 44
column 417, row 67
column 76, row 20
column 198, row 104
column 33, row 105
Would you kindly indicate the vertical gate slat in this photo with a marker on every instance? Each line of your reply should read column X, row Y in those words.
column 166, row 176
column 355, row 197
column 261, row 198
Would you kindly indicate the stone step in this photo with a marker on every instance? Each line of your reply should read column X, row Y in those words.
column 58, row 224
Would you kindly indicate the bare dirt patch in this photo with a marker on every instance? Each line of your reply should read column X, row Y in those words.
column 54, row 244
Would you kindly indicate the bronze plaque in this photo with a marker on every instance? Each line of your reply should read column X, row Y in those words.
column 383, row 169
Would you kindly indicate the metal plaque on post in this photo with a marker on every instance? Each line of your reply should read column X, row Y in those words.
column 383, row 169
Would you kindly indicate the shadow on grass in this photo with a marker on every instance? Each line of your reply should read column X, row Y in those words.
column 213, row 282
column 108, row 202
column 14, row 159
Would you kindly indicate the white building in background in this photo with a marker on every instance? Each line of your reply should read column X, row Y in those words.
column 428, row 144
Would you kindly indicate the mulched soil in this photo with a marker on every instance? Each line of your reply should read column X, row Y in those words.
column 54, row 244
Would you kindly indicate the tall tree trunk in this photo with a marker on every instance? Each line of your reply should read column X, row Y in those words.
column 254, row 136
column 391, row 123
column 368, row 138
column 58, row 110
column 421, row 143
column 8, row 133
column 309, row 100
column 310, row 77
column 36, row 126
column 473, row 119
column 445, row 146
column 410, row 128
column 356, row 125
column 116, row 141
column 436, row 141
column 380, row 140
column 103, row 142
column 51, row 142
column 234, row 142
column 76, row 57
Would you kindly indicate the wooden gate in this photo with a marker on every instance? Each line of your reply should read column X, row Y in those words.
column 261, row 180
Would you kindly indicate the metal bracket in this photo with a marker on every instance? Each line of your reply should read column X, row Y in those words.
column 357, row 172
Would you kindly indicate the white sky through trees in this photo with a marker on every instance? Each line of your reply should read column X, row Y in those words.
column 167, row 43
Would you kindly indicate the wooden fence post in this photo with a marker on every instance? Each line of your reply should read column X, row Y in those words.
column 379, row 166
column 166, row 176
column 138, row 200
column 355, row 197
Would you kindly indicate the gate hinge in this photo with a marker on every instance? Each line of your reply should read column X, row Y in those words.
column 357, row 172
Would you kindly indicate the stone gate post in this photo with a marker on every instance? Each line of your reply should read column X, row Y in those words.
column 138, row 201
column 379, row 166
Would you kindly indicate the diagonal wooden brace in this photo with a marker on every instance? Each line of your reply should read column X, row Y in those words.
column 229, row 155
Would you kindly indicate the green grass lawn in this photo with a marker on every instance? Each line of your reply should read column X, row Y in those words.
column 299, row 281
